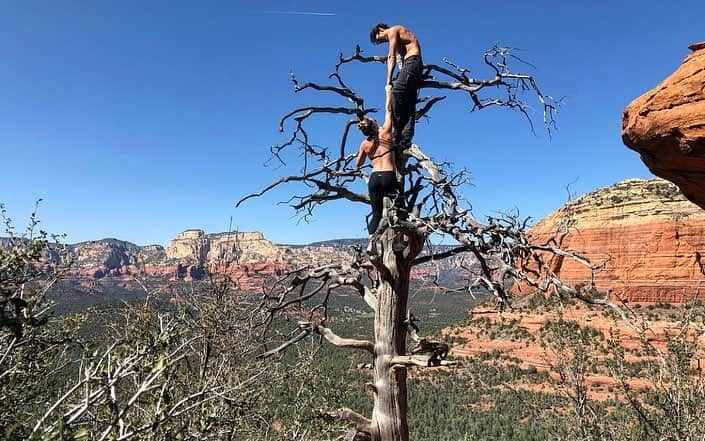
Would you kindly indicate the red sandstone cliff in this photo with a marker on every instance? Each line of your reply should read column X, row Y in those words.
column 666, row 125
column 648, row 234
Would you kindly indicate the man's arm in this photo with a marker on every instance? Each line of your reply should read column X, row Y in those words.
column 360, row 155
column 387, row 108
column 393, row 38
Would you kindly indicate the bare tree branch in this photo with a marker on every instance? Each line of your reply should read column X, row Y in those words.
column 363, row 426
column 420, row 361
column 345, row 342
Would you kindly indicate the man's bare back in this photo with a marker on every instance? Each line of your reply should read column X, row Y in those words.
column 406, row 43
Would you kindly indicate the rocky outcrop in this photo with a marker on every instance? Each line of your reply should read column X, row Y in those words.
column 647, row 234
column 667, row 127
column 190, row 246
column 196, row 247
column 105, row 257
column 152, row 254
column 108, row 253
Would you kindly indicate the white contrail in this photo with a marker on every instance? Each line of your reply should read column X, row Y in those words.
column 326, row 14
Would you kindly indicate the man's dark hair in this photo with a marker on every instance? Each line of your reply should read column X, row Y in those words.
column 375, row 30
column 368, row 127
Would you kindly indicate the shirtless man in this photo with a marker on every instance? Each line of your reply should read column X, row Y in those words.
column 383, row 180
column 406, row 86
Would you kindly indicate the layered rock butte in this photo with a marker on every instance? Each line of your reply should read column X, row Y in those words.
column 666, row 125
column 647, row 233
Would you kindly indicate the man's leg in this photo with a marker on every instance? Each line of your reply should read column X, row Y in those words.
column 400, row 104
column 401, row 119
column 407, row 130
column 412, row 67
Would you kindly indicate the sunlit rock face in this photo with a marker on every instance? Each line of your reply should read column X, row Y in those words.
column 645, row 231
column 108, row 253
column 190, row 246
column 244, row 248
column 666, row 125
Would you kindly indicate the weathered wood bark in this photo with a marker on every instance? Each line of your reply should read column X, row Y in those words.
column 390, row 407
column 389, row 416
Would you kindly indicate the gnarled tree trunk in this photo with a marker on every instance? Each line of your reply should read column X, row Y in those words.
column 389, row 415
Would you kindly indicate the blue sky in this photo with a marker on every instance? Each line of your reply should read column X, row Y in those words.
column 138, row 120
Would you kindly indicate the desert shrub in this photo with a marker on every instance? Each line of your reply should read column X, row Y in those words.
column 34, row 349
column 182, row 367
column 670, row 406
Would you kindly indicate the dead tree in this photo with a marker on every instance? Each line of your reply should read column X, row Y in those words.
column 430, row 204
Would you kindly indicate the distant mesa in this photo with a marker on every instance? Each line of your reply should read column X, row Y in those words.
column 247, row 256
column 647, row 233
column 197, row 247
column 666, row 125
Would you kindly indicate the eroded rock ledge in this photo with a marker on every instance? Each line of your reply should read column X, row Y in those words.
column 666, row 125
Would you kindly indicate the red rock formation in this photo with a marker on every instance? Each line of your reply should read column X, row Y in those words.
column 667, row 127
column 473, row 340
column 247, row 257
column 649, row 236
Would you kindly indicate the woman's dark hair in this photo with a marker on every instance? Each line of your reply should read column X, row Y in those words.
column 375, row 30
column 368, row 127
